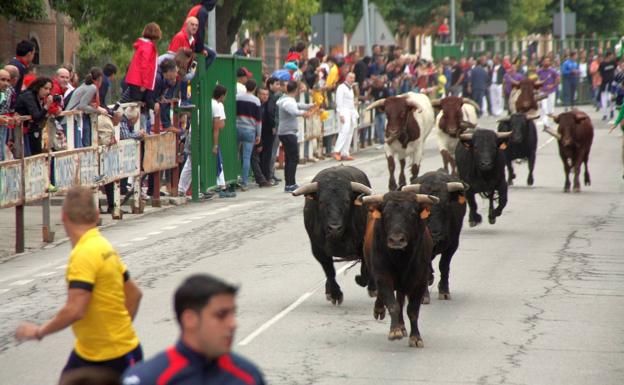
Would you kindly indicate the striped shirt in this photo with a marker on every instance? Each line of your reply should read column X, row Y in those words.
column 248, row 113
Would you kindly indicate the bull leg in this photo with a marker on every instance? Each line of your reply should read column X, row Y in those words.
column 413, row 309
column 474, row 218
column 510, row 171
column 453, row 165
column 587, row 178
column 502, row 199
column 426, row 299
column 401, row 302
column 379, row 310
column 445, row 159
column 531, row 167
column 415, row 169
column 566, row 170
column 332, row 289
column 402, row 181
column 365, row 279
column 392, row 186
column 385, row 290
column 577, row 176
column 444, row 293
column 491, row 216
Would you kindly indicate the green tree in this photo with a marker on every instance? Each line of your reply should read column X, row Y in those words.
column 22, row 9
column 529, row 16
column 603, row 17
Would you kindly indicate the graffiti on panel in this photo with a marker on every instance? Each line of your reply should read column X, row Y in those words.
column 65, row 170
column 160, row 152
column 10, row 183
column 89, row 170
column 120, row 160
column 36, row 177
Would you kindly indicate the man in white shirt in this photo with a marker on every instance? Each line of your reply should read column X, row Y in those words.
column 345, row 107
column 496, row 87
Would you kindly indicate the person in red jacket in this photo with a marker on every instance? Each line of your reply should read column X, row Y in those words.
column 200, row 11
column 186, row 37
column 141, row 76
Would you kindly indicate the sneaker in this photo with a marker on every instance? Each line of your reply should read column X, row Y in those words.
column 604, row 118
column 226, row 194
column 277, row 179
column 208, row 195
column 291, row 188
column 186, row 105
column 337, row 156
column 274, row 182
column 611, row 114
column 266, row 183
column 379, row 147
column 244, row 187
column 52, row 188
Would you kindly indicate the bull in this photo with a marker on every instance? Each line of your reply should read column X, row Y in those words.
column 575, row 135
column 335, row 222
column 522, row 144
column 397, row 253
column 444, row 222
column 522, row 98
column 454, row 117
column 481, row 164
column 410, row 121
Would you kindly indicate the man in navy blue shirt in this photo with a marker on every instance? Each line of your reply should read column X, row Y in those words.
column 569, row 74
column 24, row 55
column 206, row 311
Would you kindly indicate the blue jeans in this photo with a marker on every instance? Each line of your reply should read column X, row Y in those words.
column 86, row 131
column 246, row 138
column 380, row 124
column 3, row 132
column 569, row 91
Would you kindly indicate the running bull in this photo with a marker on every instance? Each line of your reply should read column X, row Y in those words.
column 522, row 144
column 444, row 222
column 481, row 164
column 397, row 253
column 410, row 121
column 335, row 221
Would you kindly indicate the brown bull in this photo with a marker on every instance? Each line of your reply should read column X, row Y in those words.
column 575, row 135
column 525, row 95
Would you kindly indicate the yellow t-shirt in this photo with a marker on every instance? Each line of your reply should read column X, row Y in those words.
column 332, row 77
column 105, row 332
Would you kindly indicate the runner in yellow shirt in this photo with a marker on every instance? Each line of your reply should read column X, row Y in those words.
column 102, row 300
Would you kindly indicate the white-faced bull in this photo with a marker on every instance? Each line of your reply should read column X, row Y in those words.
column 522, row 144
column 444, row 222
column 575, row 136
column 397, row 252
column 522, row 98
column 454, row 116
column 335, row 221
column 410, row 120
column 481, row 164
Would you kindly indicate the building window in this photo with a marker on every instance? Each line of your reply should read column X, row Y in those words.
column 36, row 43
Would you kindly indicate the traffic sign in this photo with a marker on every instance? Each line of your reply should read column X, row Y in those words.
column 380, row 33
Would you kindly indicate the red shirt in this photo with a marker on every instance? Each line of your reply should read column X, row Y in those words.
column 443, row 29
column 180, row 40
column 142, row 69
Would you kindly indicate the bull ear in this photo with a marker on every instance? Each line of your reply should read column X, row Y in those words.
column 465, row 137
column 579, row 116
column 554, row 117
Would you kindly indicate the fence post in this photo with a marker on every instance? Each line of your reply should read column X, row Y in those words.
column 19, row 209
column 46, row 233
column 175, row 172
column 156, row 175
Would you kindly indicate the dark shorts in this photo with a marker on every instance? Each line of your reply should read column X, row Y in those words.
column 119, row 365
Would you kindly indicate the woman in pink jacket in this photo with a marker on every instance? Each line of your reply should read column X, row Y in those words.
column 141, row 75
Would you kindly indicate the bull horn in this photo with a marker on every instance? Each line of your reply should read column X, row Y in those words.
column 554, row 134
column 424, row 198
column 360, row 188
column 307, row 188
column 514, row 82
column 436, row 103
column 505, row 119
column 539, row 83
column 413, row 103
column 455, row 186
column 465, row 124
column 503, row 135
column 465, row 136
column 472, row 103
column 376, row 103
column 411, row 188
column 533, row 117
column 377, row 198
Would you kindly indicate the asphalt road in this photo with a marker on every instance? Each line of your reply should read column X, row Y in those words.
column 538, row 298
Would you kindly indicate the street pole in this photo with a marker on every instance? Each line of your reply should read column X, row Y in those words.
column 367, row 31
column 326, row 34
column 563, row 29
column 453, row 22
column 212, row 29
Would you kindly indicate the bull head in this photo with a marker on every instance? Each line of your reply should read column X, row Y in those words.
column 514, row 83
column 450, row 187
column 499, row 135
column 419, row 198
column 311, row 188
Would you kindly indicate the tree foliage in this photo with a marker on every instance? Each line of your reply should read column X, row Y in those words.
column 22, row 9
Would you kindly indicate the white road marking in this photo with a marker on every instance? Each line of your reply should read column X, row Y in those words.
column 61, row 267
column 170, row 227
column 2, row 291
column 137, row 239
column 124, row 245
column 45, row 274
column 264, row 327
column 21, row 282
column 183, row 222
column 547, row 143
column 155, row 233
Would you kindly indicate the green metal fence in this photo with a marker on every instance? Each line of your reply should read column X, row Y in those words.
column 222, row 71
column 541, row 45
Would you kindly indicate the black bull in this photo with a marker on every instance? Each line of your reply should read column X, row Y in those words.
column 481, row 164
column 522, row 144
column 397, row 253
column 335, row 221
column 444, row 222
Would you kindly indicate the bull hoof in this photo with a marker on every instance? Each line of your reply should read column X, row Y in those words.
column 416, row 342
column 335, row 300
column 444, row 296
column 577, row 189
column 403, row 330
column 372, row 293
column 492, row 220
column 426, row 298
column 379, row 313
column 510, row 182
column 530, row 181
column 473, row 224
column 361, row 281
column 395, row 333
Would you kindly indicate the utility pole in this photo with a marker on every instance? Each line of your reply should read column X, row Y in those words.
column 453, row 22
column 367, row 31
column 563, row 28
column 212, row 29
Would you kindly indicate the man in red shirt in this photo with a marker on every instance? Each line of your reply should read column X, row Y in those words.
column 443, row 32
column 186, row 37
column 200, row 11
column 59, row 87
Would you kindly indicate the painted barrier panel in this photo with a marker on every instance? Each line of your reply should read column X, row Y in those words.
column 10, row 183
column 160, row 152
column 120, row 160
column 36, row 177
column 75, row 167
column 331, row 126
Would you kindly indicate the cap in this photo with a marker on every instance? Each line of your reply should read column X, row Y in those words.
column 242, row 71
